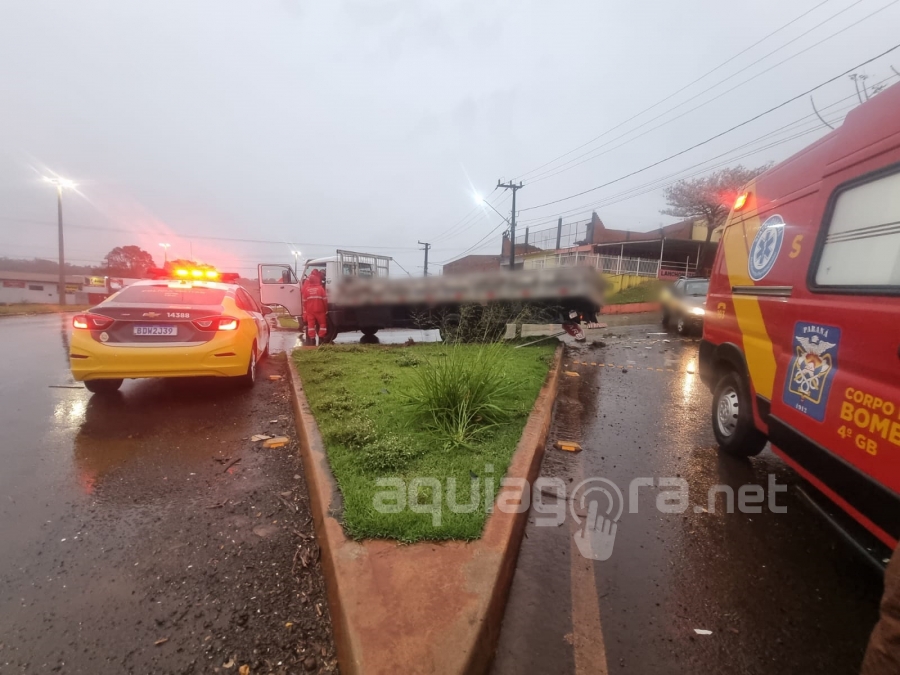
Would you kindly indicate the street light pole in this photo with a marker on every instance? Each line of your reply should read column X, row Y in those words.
column 165, row 248
column 61, row 183
column 62, row 257
column 297, row 254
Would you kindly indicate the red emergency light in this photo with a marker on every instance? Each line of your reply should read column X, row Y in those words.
column 192, row 273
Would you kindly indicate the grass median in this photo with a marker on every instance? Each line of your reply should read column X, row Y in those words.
column 432, row 416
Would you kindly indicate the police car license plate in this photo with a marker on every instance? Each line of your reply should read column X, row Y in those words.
column 155, row 330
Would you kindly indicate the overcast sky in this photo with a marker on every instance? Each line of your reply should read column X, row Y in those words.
column 370, row 123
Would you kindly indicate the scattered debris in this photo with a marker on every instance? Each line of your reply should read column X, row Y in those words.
column 229, row 663
column 274, row 378
column 568, row 446
column 310, row 663
column 259, row 437
column 265, row 531
column 244, row 669
column 276, row 442
column 231, row 465
column 572, row 373
column 161, row 641
column 702, row 631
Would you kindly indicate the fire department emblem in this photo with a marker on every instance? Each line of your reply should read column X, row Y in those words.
column 765, row 248
column 812, row 367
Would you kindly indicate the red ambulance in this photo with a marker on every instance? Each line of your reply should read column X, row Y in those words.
column 801, row 344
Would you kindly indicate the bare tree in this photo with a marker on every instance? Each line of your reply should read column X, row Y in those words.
column 709, row 197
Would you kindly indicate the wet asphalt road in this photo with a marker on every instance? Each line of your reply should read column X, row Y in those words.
column 145, row 533
column 780, row 592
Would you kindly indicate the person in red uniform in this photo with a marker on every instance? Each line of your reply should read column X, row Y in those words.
column 315, row 306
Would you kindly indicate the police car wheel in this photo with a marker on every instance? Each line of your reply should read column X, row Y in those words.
column 732, row 417
column 103, row 386
column 248, row 379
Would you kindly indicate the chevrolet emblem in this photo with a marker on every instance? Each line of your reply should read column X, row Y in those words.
column 151, row 315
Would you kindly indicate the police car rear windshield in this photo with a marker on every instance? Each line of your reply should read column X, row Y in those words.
column 696, row 288
column 163, row 295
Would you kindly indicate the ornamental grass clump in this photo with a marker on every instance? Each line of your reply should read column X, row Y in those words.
column 460, row 393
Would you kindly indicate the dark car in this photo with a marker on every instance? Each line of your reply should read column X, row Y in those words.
column 683, row 305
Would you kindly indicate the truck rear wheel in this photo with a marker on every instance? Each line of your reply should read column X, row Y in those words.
column 732, row 417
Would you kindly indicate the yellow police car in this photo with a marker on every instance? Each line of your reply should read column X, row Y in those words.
column 187, row 322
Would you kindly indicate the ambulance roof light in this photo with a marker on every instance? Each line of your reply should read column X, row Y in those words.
column 741, row 201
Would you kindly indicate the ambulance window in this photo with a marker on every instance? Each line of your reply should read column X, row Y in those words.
column 862, row 247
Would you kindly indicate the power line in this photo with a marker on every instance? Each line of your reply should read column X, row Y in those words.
column 551, row 217
column 475, row 246
column 204, row 237
column 719, row 135
column 471, row 218
column 675, row 93
column 588, row 156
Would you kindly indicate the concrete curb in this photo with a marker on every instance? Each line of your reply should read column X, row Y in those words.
column 631, row 308
column 431, row 607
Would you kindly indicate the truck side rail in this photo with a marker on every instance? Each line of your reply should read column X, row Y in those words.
column 559, row 284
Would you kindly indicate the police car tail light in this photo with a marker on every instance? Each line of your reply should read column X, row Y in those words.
column 91, row 321
column 216, row 323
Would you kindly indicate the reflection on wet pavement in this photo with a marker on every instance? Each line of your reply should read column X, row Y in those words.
column 787, row 580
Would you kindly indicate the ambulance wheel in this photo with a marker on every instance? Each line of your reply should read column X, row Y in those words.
column 732, row 417
column 103, row 386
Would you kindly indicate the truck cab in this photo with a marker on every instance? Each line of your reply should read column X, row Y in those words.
column 280, row 285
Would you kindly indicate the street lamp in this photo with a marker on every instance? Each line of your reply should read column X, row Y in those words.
column 165, row 252
column 296, row 255
column 61, row 183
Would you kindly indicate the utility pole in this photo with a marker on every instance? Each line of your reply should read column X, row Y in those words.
column 512, row 223
column 60, row 183
column 62, row 257
column 427, row 246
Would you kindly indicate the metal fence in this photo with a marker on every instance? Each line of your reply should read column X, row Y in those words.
column 613, row 264
column 572, row 234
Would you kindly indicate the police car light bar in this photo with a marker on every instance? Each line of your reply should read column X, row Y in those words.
column 184, row 273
